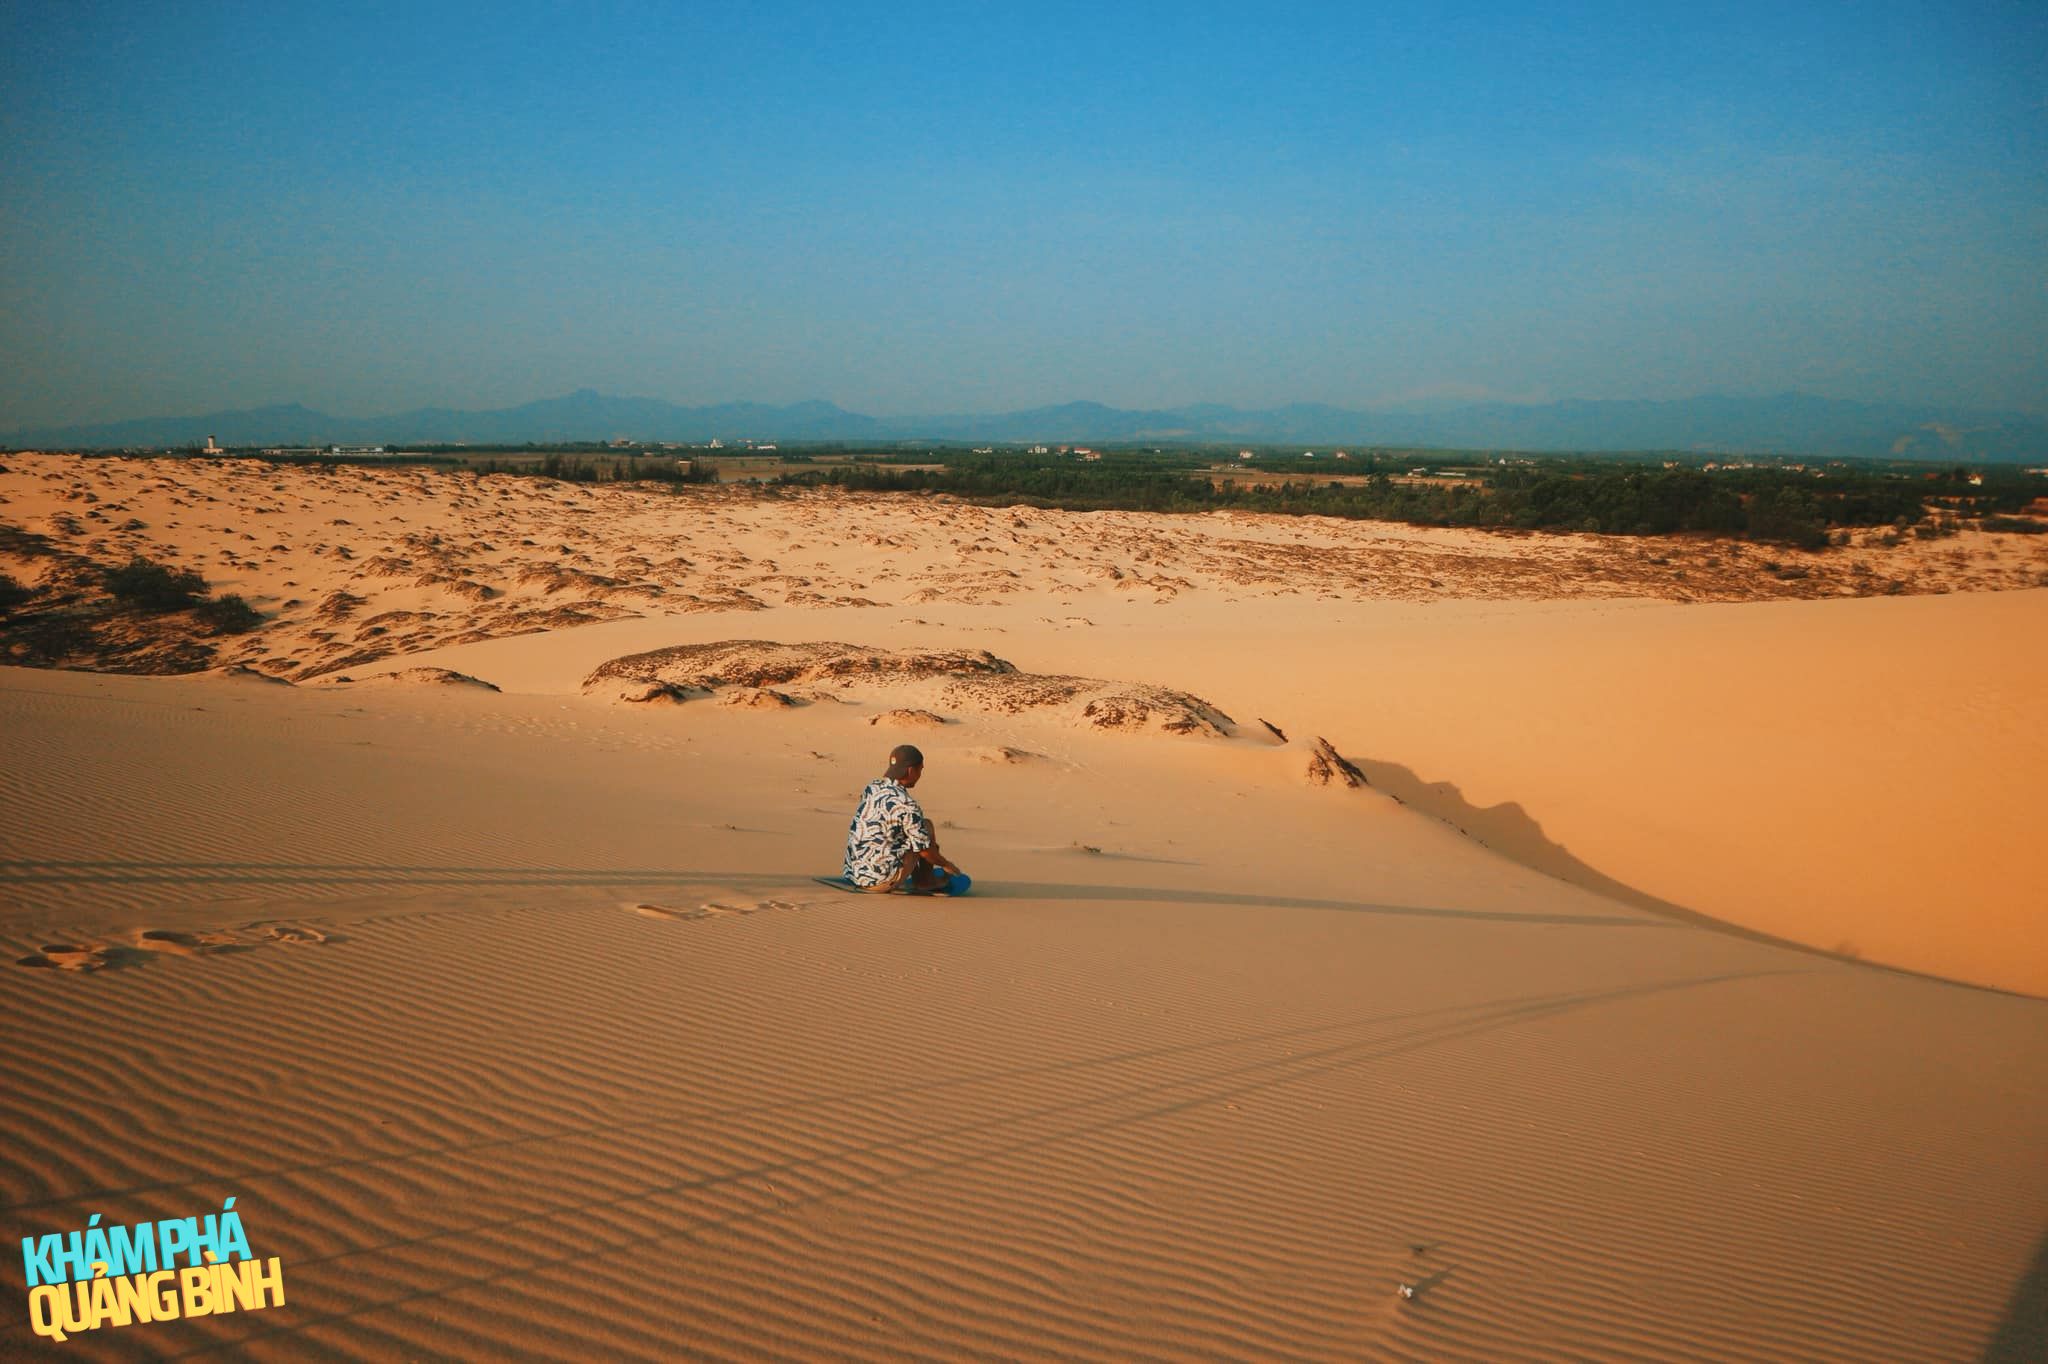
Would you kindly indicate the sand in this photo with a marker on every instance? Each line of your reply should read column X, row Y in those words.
column 1668, row 989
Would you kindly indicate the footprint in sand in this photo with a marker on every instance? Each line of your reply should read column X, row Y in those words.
column 668, row 912
column 710, row 909
column 292, row 935
column 63, row 956
column 183, row 944
column 137, row 946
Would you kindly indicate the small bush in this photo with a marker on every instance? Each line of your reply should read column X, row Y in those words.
column 153, row 587
column 2016, row 525
column 229, row 615
column 12, row 593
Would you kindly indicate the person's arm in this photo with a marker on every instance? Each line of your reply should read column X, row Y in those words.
column 931, row 854
column 907, row 868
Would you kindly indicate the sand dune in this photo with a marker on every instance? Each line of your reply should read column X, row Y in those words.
column 354, row 565
column 738, row 671
column 1365, row 935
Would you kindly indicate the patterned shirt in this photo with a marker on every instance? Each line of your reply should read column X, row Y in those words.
column 888, row 824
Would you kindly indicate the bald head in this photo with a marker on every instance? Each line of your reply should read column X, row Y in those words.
column 905, row 762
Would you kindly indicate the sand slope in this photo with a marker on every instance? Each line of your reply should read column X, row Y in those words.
column 1877, row 802
column 586, row 1066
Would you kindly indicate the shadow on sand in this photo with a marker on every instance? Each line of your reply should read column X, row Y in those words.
column 372, row 876
column 2022, row 1334
column 1174, row 895
column 1509, row 830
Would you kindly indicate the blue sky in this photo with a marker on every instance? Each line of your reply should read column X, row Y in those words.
column 955, row 208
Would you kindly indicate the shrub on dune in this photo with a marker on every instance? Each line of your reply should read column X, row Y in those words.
column 229, row 615
column 146, row 585
column 151, row 586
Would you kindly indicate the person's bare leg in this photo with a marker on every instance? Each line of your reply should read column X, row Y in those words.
column 902, row 880
column 914, row 876
column 928, row 879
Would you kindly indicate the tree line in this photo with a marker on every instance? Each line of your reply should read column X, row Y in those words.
column 1776, row 505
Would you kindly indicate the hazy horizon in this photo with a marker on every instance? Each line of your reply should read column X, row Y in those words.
column 915, row 211
column 1414, row 404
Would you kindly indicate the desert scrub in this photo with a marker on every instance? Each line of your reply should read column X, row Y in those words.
column 150, row 586
column 229, row 615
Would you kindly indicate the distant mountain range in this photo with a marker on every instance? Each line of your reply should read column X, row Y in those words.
column 1791, row 424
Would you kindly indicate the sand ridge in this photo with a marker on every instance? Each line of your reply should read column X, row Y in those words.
column 740, row 672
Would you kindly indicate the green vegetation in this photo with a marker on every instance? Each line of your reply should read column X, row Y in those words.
column 229, row 615
column 146, row 585
column 571, row 468
column 1776, row 500
column 1785, row 505
column 320, row 462
column 150, row 586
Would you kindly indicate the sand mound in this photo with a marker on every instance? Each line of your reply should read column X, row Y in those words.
column 665, row 692
column 907, row 718
column 337, row 606
column 1003, row 755
column 1128, row 706
column 465, row 588
column 1328, row 767
column 973, row 679
column 242, row 672
column 762, row 663
column 757, row 698
column 414, row 677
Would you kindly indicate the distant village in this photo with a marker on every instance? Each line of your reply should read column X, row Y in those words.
column 1459, row 465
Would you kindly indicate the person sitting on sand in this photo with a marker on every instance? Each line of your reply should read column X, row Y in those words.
column 891, row 845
